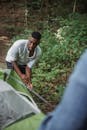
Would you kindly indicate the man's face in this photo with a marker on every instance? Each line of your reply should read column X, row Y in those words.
column 32, row 43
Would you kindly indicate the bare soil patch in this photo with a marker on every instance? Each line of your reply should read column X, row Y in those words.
column 4, row 45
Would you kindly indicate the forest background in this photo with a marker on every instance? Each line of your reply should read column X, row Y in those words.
column 63, row 25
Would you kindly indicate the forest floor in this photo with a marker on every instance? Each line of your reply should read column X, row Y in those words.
column 7, row 29
column 4, row 45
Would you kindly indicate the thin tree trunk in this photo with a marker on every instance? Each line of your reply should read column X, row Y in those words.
column 41, row 8
column 74, row 7
column 44, row 10
column 13, row 14
column 26, row 15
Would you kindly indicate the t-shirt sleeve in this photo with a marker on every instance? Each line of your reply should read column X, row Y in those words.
column 12, row 53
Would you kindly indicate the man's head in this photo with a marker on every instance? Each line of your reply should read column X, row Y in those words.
column 36, row 35
column 34, row 40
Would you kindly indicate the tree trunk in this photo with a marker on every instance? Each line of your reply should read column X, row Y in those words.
column 74, row 7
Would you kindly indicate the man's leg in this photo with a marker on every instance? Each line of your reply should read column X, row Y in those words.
column 22, row 68
column 9, row 66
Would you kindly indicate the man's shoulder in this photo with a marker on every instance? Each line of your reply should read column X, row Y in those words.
column 20, row 42
column 39, row 48
column 39, row 51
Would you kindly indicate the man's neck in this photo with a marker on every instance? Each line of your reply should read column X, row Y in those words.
column 31, row 53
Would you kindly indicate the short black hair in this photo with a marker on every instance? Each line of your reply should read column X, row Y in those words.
column 36, row 35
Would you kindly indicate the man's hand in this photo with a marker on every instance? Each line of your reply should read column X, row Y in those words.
column 30, row 86
column 24, row 78
column 26, row 81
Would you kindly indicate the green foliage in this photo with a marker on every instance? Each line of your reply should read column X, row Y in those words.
column 61, row 51
column 60, row 90
column 72, row 36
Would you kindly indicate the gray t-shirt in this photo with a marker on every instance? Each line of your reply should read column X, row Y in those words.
column 20, row 53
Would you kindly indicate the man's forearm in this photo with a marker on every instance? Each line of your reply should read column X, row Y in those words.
column 28, row 73
column 16, row 68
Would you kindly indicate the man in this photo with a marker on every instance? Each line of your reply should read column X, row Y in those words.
column 22, row 55
column 71, row 113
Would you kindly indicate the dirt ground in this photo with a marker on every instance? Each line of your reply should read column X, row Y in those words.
column 4, row 45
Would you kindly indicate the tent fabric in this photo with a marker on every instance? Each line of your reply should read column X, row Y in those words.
column 16, row 110
column 6, row 114
column 28, row 123
column 15, row 81
column 13, row 106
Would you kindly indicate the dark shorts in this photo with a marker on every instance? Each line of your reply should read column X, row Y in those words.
column 21, row 67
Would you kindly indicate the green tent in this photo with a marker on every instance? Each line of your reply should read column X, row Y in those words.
column 20, row 111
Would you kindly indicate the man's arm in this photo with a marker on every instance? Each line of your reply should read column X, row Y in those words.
column 16, row 68
column 29, row 72
column 28, row 75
